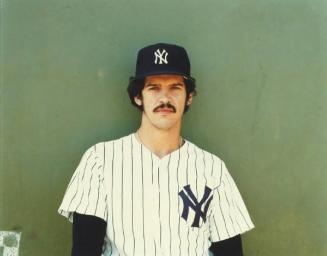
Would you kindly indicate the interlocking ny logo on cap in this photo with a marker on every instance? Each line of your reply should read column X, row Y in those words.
column 195, row 205
column 161, row 56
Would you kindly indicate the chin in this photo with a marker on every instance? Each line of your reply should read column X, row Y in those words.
column 165, row 125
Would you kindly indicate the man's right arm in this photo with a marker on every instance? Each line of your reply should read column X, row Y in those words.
column 88, row 235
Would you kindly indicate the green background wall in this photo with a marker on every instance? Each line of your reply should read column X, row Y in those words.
column 261, row 106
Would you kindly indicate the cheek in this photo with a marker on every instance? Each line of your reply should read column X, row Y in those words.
column 148, row 102
column 180, row 99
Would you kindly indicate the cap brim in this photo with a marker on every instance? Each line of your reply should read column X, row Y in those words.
column 161, row 73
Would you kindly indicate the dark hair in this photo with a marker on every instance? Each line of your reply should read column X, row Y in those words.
column 136, row 86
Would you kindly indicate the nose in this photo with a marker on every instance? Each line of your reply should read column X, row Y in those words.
column 164, row 96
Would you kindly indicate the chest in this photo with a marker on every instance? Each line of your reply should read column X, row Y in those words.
column 146, row 189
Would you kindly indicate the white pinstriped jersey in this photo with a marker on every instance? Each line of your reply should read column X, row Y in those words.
column 175, row 205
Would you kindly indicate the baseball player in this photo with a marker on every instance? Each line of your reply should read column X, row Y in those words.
column 153, row 192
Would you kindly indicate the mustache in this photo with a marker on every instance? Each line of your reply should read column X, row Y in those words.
column 163, row 105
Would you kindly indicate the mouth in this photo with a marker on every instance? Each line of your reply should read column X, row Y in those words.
column 165, row 110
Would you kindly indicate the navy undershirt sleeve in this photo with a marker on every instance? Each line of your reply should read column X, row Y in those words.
column 89, row 232
column 229, row 247
column 88, row 235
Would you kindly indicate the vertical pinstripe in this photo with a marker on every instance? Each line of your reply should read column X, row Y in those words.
column 110, row 245
column 179, row 220
column 88, row 194
column 239, row 228
column 112, row 190
column 187, row 182
column 82, row 195
column 214, row 220
column 241, row 212
column 122, row 192
column 229, row 207
column 78, row 180
column 96, row 205
column 152, row 182
column 143, row 198
column 205, row 176
column 197, row 190
column 72, row 180
column 132, row 190
column 222, row 214
column 115, row 217
column 169, row 195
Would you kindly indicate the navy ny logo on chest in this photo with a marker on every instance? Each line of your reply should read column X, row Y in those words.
column 190, row 201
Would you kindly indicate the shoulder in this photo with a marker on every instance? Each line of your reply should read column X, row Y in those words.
column 101, row 149
column 210, row 157
column 213, row 163
column 96, row 156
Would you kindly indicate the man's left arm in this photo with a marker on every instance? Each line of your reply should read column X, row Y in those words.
column 229, row 217
column 229, row 247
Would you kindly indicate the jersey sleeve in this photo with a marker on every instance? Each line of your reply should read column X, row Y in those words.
column 229, row 216
column 85, row 193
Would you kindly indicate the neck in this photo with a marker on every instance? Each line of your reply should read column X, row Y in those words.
column 160, row 141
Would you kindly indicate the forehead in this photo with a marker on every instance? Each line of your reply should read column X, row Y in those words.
column 164, row 79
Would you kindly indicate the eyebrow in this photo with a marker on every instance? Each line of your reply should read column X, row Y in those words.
column 153, row 84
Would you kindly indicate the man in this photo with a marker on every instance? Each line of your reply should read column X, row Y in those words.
column 153, row 192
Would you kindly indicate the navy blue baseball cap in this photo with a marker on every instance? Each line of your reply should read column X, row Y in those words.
column 162, row 58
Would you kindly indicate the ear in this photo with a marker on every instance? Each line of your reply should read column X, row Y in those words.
column 189, row 100
column 138, row 100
